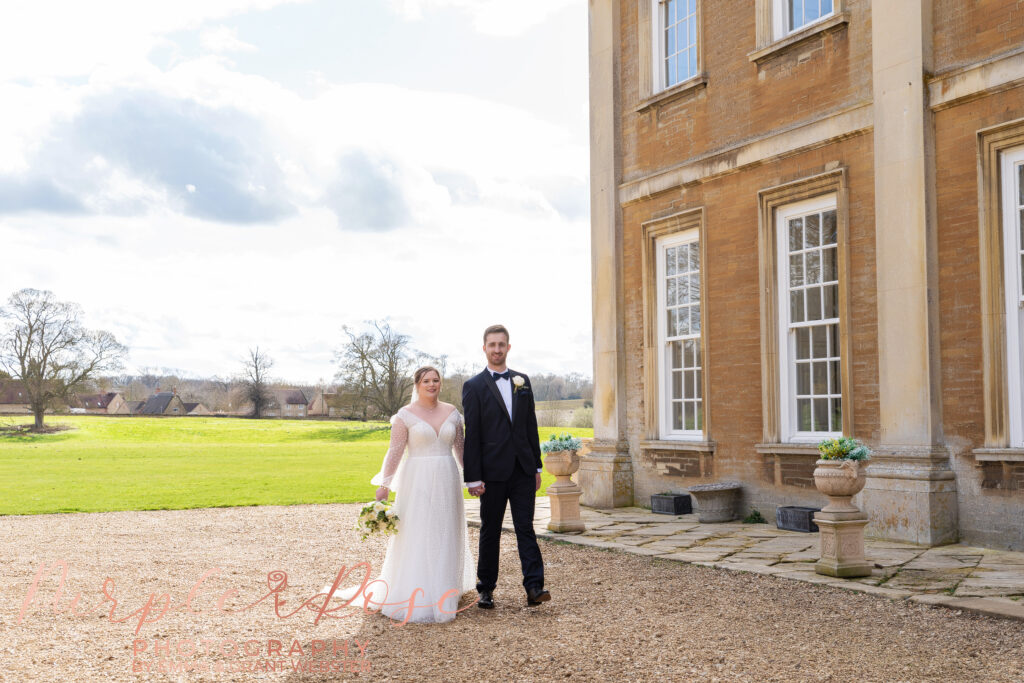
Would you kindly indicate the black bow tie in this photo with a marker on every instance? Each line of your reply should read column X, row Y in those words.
column 499, row 375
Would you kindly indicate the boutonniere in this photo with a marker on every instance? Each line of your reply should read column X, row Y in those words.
column 518, row 382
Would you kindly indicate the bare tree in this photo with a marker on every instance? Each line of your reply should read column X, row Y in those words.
column 255, row 380
column 376, row 365
column 45, row 346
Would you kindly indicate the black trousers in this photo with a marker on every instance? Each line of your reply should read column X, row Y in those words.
column 519, row 492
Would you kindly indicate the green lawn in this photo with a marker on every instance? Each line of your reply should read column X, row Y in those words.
column 138, row 463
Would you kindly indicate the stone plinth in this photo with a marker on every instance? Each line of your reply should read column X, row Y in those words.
column 842, row 544
column 606, row 476
column 564, row 493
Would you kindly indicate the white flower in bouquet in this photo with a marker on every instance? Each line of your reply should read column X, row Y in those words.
column 376, row 518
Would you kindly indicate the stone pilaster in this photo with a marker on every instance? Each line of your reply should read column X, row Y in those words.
column 910, row 493
column 606, row 473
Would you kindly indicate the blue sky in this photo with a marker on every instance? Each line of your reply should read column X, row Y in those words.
column 205, row 176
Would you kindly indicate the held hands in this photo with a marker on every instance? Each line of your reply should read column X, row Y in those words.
column 382, row 493
column 476, row 490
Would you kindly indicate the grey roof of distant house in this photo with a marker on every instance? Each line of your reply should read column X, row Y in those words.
column 157, row 403
column 97, row 400
column 135, row 406
column 13, row 391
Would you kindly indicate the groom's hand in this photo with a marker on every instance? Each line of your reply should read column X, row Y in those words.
column 538, row 482
column 476, row 490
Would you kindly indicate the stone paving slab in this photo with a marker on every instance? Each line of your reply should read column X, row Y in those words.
column 980, row 580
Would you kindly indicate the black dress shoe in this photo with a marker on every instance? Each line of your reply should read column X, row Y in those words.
column 485, row 601
column 535, row 596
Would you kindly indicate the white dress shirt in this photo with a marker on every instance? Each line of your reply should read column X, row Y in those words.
column 505, row 389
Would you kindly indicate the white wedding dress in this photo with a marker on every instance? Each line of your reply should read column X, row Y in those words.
column 431, row 549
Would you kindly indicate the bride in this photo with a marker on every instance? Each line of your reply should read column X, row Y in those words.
column 430, row 552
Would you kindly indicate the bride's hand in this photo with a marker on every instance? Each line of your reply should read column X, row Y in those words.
column 382, row 493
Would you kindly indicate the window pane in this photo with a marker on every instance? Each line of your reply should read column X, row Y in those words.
column 837, row 415
column 803, row 379
column 820, row 378
column 693, row 63
column 671, row 11
column 831, row 301
column 689, row 414
column 686, row 386
column 803, row 414
column 819, row 343
column 670, row 325
column 814, row 303
column 828, row 227
column 833, row 340
column 681, row 258
column 700, row 416
column 689, row 351
column 695, row 288
column 682, row 322
column 796, row 13
column 691, row 27
column 671, row 77
column 828, row 265
column 695, row 319
column 691, row 6
column 670, row 41
column 812, row 230
column 813, row 266
column 696, row 353
column 677, row 354
column 694, row 256
column 677, row 415
column 670, row 261
column 681, row 290
column 796, row 306
column 796, row 234
column 796, row 270
column 670, row 292
column 677, row 384
column 821, row 414
column 826, row 7
column 835, row 385
column 698, row 389
column 803, row 342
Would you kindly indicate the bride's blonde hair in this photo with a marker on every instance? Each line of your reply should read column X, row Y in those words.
column 421, row 372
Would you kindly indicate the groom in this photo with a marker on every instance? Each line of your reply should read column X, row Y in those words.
column 501, row 463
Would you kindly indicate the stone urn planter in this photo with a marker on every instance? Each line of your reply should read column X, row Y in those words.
column 840, row 480
column 564, row 494
column 716, row 502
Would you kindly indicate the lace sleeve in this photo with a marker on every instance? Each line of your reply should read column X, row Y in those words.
column 399, row 438
column 458, row 446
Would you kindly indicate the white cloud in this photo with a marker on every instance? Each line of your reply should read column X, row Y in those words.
column 224, row 39
column 62, row 38
column 492, row 17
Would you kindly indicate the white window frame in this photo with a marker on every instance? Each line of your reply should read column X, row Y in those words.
column 665, row 429
column 780, row 19
column 788, row 432
column 658, row 71
column 1010, row 162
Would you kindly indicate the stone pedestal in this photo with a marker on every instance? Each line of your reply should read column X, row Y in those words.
column 565, row 509
column 911, row 496
column 564, row 493
column 842, row 544
column 606, row 476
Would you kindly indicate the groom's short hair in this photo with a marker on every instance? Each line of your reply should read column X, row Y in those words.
column 496, row 329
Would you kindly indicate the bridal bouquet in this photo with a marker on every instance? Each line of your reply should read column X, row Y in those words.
column 377, row 518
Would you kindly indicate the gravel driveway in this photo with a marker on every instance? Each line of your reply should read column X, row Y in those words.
column 613, row 617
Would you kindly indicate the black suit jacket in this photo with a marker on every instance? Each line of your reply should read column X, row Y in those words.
column 495, row 441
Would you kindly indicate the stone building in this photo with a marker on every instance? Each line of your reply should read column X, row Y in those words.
column 806, row 221
column 110, row 403
column 164, row 403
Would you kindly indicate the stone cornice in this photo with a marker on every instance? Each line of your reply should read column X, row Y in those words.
column 778, row 144
column 974, row 81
